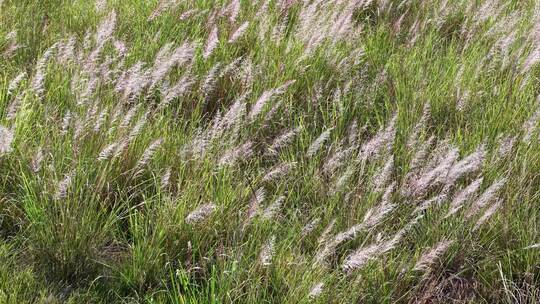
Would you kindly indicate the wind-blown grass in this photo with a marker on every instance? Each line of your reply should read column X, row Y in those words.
column 269, row 151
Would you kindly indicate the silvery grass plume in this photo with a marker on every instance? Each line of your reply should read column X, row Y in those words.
column 231, row 156
column 265, row 97
column 38, row 81
column 66, row 51
column 435, row 175
column 344, row 179
column 177, row 90
column 360, row 257
column 353, row 133
column 271, row 211
column 100, row 120
column 198, row 145
column 383, row 140
column 506, row 145
column 165, row 178
column 256, row 200
column 263, row 9
column 337, row 160
column 488, row 214
column 431, row 256
column 464, row 195
column 490, row 8
column 210, row 82
column 534, row 246
column 121, row 48
column 135, row 81
column 211, row 43
column 79, row 127
column 120, row 147
column 381, row 179
column 332, row 23
column 114, row 121
column 373, row 217
column 63, row 186
column 147, row 155
column 137, row 129
column 239, row 32
column 487, row 197
column 403, row 231
column 268, row 118
column 87, row 43
column 318, row 143
column 259, row 105
column 421, row 155
column 534, row 38
column 35, row 164
column 316, row 290
column 278, row 171
column 325, row 235
column 100, row 5
column 264, row 29
column 267, row 252
column 416, row 166
column 419, row 127
column 282, row 140
column 14, row 84
column 530, row 125
column 232, row 10
column 437, row 200
column 90, row 87
column 163, row 6
column 278, row 31
column 6, row 140
column 107, row 152
column 167, row 58
column 309, row 227
column 66, row 122
column 14, row 106
column 469, row 164
column 128, row 117
column 246, row 74
column 438, row 154
column 332, row 244
column 233, row 68
column 216, row 130
column 200, row 214
column 233, row 118
column 12, row 46
column 188, row 14
column 106, row 28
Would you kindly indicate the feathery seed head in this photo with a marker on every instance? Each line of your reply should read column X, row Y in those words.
column 211, row 43
column 239, row 32
column 6, row 140
column 274, row 208
column 200, row 214
column 267, row 252
column 318, row 143
column 316, row 290
column 487, row 197
column 431, row 256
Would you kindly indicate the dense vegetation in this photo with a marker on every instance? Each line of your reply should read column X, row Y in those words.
column 270, row 151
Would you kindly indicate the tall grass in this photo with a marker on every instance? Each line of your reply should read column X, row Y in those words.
column 279, row 151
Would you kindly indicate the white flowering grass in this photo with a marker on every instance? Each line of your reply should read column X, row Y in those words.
column 269, row 151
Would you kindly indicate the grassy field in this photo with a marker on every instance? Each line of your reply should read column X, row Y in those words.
column 269, row 151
